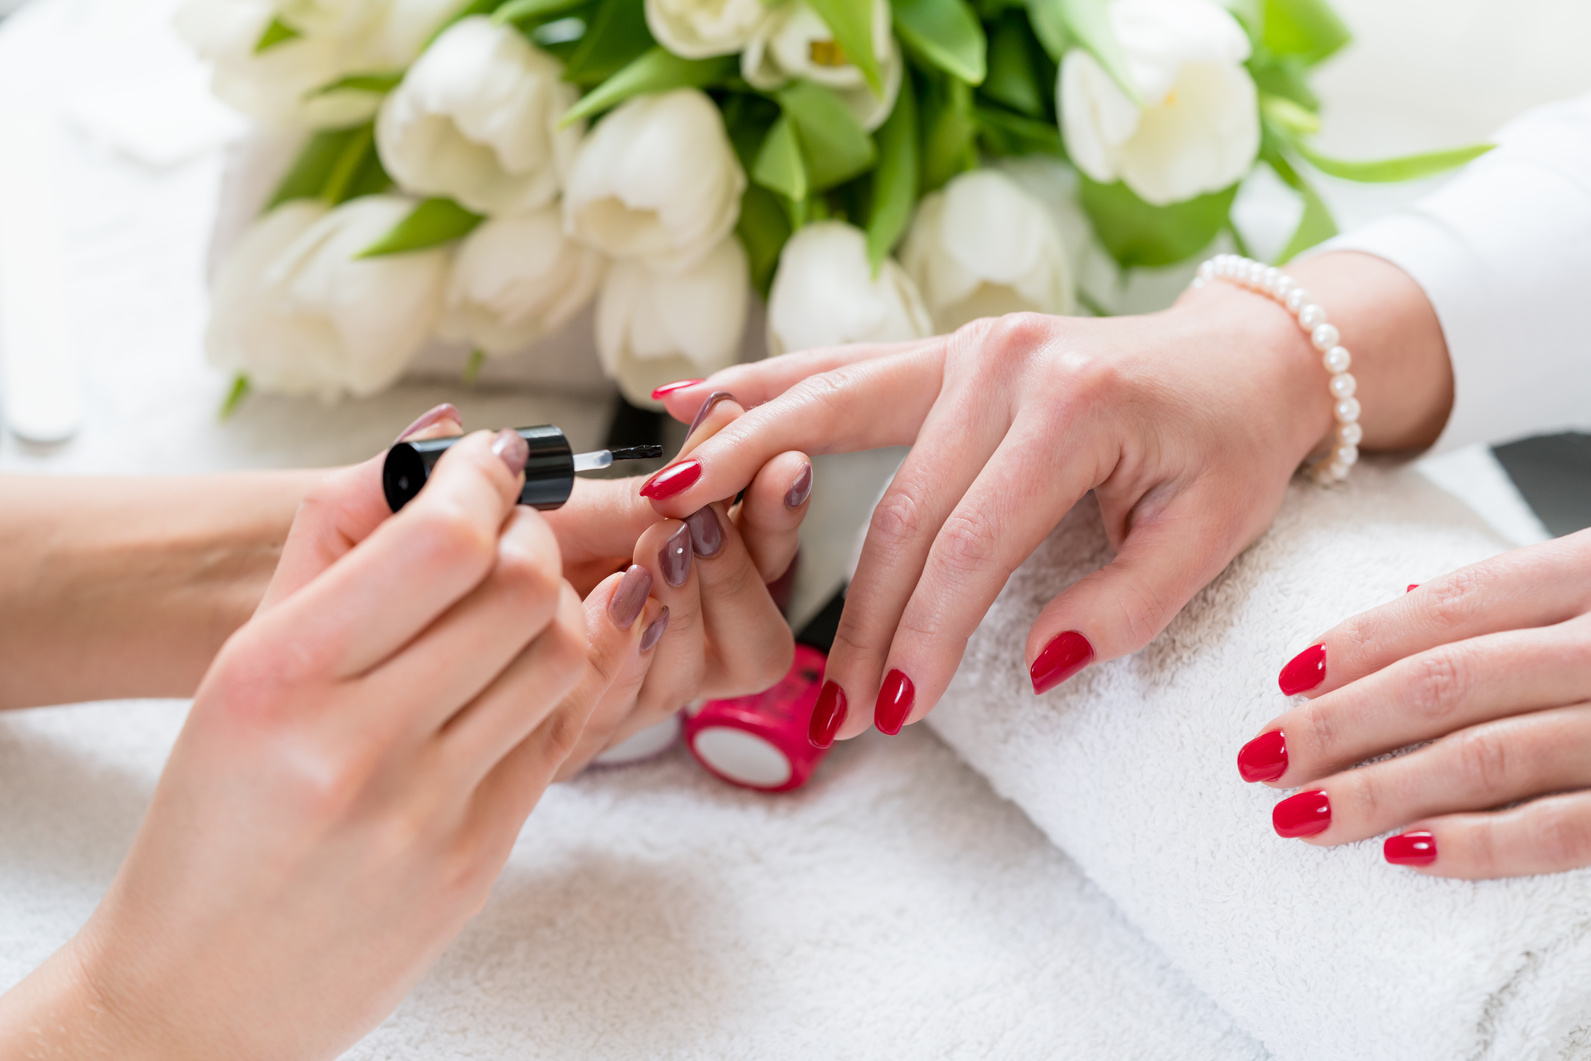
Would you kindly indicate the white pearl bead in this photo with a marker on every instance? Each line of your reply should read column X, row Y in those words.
column 1343, row 385
column 1297, row 298
column 1345, row 455
column 1336, row 360
column 1324, row 336
column 1339, row 472
column 1207, row 270
column 1256, row 274
column 1350, row 434
column 1272, row 275
column 1347, row 410
column 1311, row 317
column 1284, row 286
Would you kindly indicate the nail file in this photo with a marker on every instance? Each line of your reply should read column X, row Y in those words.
column 41, row 396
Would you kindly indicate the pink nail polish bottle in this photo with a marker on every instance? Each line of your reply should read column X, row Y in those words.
column 760, row 741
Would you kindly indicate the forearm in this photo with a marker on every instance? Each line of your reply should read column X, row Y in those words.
column 127, row 587
column 1400, row 358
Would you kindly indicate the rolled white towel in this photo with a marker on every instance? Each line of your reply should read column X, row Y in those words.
column 1130, row 768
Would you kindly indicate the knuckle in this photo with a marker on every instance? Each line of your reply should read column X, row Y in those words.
column 1565, row 834
column 1319, row 722
column 560, row 735
column 1452, row 602
column 1482, row 761
column 1142, row 610
column 968, row 541
column 896, row 521
column 1439, row 684
column 447, row 536
column 528, row 580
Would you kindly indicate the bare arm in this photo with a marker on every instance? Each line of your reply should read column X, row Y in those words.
column 127, row 587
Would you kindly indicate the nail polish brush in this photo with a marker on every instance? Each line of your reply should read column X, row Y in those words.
column 549, row 470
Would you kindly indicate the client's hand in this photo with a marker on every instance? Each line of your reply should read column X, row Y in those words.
column 357, row 764
column 1186, row 425
column 1492, row 664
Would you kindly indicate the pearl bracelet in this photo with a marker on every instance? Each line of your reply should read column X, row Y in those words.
column 1283, row 290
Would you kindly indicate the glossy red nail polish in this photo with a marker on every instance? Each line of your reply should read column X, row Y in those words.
column 1264, row 758
column 1305, row 814
column 828, row 716
column 894, row 703
column 1305, row 671
column 669, row 388
column 1412, row 587
column 1064, row 656
column 1410, row 849
column 672, row 480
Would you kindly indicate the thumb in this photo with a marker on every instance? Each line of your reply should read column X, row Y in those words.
column 1121, row 607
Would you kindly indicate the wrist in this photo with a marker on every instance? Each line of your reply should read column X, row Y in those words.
column 60, row 1011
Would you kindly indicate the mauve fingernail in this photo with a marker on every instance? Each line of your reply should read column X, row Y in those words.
column 630, row 597
column 654, row 633
column 445, row 411
column 674, row 559
column 707, row 534
column 801, row 489
column 512, row 448
column 707, row 407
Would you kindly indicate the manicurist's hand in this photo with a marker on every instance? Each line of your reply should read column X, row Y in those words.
column 1492, row 664
column 1187, row 426
column 355, row 768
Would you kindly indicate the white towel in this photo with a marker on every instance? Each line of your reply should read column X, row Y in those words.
column 896, row 908
column 1320, row 953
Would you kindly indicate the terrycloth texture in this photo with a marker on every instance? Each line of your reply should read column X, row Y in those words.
column 896, row 908
column 1321, row 954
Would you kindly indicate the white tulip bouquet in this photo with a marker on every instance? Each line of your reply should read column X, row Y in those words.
column 875, row 169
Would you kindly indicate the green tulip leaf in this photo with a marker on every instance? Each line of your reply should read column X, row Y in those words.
column 1049, row 27
column 533, row 10
column 656, row 71
column 833, row 144
column 1005, row 133
column 334, row 165
column 1285, row 77
column 763, row 228
column 1014, row 78
column 1289, row 117
column 1405, row 168
column 616, row 37
column 1087, row 23
column 234, row 397
column 949, row 131
column 1139, row 235
column 1306, row 29
column 851, row 22
column 378, row 83
column 895, row 178
column 1316, row 225
column 946, row 34
column 430, row 224
column 278, row 32
column 779, row 165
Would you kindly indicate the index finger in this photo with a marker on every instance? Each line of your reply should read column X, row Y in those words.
column 864, row 405
column 756, row 382
column 412, row 567
column 1539, row 585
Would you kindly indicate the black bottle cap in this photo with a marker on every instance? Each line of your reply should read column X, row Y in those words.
column 549, row 470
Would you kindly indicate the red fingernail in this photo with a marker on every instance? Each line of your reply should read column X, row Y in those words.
column 1305, row 814
column 1410, row 849
column 669, row 388
column 1412, row 587
column 1064, row 656
column 1264, row 758
column 672, row 480
column 828, row 715
column 894, row 703
column 1304, row 672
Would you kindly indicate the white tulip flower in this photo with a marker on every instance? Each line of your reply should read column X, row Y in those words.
column 1198, row 129
column 794, row 42
column 515, row 279
column 984, row 247
column 700, row 29
column 656, row 181
column 476, row 118
column 653, row 327
column 278, row 86
column 825, row 294
column 297, row 313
